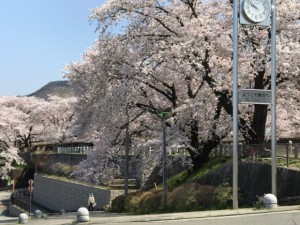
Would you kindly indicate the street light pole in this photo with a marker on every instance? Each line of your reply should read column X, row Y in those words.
column 163, row 113
column 126, row 154
column 165, row 192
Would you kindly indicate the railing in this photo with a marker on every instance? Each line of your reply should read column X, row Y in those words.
column 286, row 153
column 74, row 149
column 120, row 183
column 20, row 198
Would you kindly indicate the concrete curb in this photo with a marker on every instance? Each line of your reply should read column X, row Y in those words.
column 185, row 215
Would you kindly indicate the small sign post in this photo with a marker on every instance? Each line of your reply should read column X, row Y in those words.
column 30, row 189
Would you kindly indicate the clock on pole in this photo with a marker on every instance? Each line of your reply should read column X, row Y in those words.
column 255, row 12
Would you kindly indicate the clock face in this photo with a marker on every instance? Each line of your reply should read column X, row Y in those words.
column 257, row 10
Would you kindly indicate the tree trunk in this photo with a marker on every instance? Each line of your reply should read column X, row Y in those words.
column 260, row 114
column 200, row 152
column 259, row 124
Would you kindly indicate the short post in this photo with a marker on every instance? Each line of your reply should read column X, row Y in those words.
column 23, row 218
column 37, row 214
column 270, row 201
column 83, row 215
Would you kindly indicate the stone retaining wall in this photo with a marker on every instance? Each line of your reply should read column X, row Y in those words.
column 70, row 159
column 254, row 179
column 55, row 194
column 14, row 210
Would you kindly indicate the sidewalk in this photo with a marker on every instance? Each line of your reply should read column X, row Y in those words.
column 109, row 218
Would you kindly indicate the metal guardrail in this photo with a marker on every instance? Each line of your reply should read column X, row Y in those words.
column 20, row 198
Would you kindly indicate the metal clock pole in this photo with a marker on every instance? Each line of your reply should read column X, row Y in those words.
column 235, row 107
column 273, row 88
column 255, row 13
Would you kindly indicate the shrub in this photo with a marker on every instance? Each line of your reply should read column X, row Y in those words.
column 117, row 204
column 60, row 169
column 57, row 169
column 205, row 196
column 132, row 202
column 66, row 170
column 182, row 198
column 259, row 204
column 151, row 201
column 223, row 196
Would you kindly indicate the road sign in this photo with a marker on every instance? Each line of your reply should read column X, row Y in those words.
column 30, row 187
column 255, row 96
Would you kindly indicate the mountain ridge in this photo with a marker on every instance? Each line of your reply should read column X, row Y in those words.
column 60, row 88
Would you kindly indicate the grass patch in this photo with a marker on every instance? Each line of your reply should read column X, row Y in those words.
column 184, row 194
column 189, row 175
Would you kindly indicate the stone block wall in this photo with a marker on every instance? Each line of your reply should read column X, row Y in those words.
column 254, row 179
column 70, row 159
column 55, row 194
column 14, row 210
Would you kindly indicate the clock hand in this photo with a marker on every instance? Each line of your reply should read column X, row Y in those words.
column 251, row 3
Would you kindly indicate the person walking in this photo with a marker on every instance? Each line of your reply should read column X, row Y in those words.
column 91, row 202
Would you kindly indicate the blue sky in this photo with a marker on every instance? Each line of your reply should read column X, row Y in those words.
column 39, row 37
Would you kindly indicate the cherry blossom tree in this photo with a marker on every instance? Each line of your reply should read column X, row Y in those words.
column 11, row 127
column 178, row 54
column 26, row 120
column 58, row 119
column 101, row 156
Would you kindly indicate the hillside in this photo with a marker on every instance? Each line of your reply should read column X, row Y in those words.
column 58, row 88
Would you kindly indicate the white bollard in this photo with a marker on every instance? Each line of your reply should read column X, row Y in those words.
column 37, row 214
column 83, row 215
column 23, row 218
column 270, row 201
